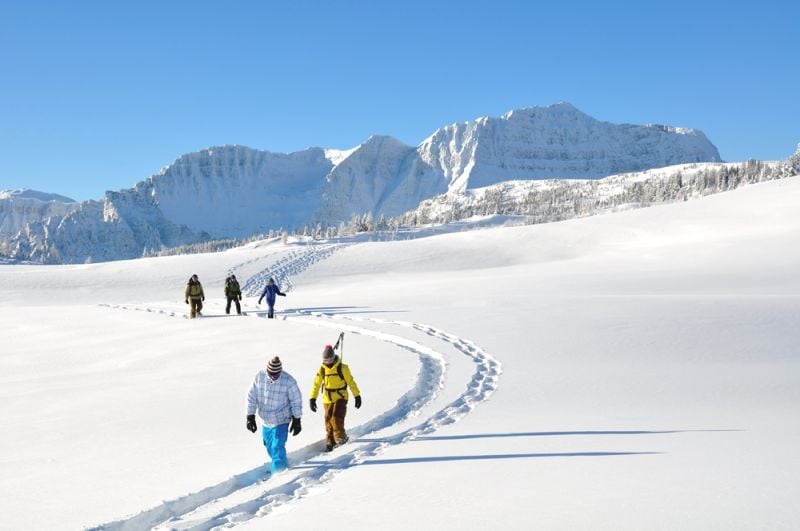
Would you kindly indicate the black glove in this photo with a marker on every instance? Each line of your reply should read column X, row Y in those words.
column 295, row 426
column 203, row 299
column 240, row 296
column 251, row 423
column 186, row 301
column 313, row 404
column 282, row 294
column 358, row 401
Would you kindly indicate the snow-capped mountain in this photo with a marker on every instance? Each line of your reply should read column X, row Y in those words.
column 235, row 191
column 18, row 208
column 558, row 141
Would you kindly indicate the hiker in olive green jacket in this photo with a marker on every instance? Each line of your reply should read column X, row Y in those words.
column 233, row 293
column 194, row 293
column 334, row 378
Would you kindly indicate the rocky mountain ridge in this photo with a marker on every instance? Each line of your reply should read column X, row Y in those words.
column 235, row 191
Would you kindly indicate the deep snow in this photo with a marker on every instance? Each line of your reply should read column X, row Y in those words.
column 637, row 370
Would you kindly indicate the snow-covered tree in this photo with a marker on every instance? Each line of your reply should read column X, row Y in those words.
column 794, row 160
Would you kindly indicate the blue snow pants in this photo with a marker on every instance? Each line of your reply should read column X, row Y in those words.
column 275, row 442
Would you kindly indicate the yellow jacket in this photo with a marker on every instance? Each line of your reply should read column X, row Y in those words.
column 194, row 290
column 334, row 381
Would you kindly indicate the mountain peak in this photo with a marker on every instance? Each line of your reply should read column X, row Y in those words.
column 25, row 193
column 379, row 140
column 556, row 109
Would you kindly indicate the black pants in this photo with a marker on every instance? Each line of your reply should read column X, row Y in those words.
column 234, row 298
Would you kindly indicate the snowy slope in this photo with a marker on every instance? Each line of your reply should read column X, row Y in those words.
column 541, row 201
column 235, row 191
column 622, row 372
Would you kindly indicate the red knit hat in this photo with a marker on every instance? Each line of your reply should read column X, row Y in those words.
column 328, row 355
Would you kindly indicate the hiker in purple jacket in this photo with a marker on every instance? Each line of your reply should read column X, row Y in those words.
column 270, row 291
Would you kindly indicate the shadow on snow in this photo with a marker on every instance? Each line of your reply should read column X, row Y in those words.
column 423, row 438
column 446, row 458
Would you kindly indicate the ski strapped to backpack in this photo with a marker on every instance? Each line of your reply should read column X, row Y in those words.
column 340, row 342
column 323, row 373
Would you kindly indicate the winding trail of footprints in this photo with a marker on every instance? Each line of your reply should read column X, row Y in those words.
column 286, row 266
column 244, row 496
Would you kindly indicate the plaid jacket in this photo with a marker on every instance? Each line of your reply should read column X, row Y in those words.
column 276, row 401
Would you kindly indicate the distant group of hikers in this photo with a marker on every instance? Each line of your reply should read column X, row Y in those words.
column 274, row 393
column 195, row 296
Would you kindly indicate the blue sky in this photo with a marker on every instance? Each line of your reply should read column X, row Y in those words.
column 97, row 96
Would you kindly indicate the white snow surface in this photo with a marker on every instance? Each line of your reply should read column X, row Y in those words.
column 630, row 371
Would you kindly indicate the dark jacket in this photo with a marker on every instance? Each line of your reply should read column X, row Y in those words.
column 232, row 288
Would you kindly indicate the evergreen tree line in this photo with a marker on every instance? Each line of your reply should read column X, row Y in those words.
column 561, row 200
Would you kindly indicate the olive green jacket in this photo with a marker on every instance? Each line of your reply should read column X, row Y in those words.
column 194, row 290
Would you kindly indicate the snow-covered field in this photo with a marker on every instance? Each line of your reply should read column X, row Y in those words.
column 632, row 371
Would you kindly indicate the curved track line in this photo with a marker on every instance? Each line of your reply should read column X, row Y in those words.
column 429, row 381
column 316, row 474
column 199, row 511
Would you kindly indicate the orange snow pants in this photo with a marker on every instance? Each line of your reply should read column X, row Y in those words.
column 334, row 422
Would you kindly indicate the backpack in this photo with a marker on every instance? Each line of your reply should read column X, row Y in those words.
column 324, row 375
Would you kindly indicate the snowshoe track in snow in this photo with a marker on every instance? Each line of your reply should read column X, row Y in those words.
column 288, row 264
column 245, row 496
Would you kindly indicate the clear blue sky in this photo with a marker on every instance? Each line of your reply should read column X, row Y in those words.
column 98, row 95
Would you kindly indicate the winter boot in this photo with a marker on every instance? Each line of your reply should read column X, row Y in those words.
column 328, row 447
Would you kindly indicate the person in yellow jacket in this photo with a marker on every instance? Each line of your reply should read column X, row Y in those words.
column 194, row 293
column 334, row 378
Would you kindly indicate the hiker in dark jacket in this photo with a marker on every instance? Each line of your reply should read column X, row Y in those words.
column 270, row 291
column 233, row 293
column 194, row 293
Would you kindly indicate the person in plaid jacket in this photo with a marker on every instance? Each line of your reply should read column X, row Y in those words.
column 277, row 398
